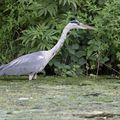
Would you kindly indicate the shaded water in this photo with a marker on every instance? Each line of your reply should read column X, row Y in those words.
column 56, row 98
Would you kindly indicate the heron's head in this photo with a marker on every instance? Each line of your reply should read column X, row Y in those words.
column 74, row 24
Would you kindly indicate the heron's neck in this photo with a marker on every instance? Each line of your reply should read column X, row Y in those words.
column 60, row 42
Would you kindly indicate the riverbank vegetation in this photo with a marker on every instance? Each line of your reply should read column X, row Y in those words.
column 30, row 25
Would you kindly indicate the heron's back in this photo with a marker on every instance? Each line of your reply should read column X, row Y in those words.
column 30, row 63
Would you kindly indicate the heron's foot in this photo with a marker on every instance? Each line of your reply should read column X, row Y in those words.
column 35, row 76
column 31, row 76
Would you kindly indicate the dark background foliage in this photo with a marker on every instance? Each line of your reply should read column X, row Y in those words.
column 30, row 25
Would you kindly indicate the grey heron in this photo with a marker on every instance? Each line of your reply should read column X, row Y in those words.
column 31, row 64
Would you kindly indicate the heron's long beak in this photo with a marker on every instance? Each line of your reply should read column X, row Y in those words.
column 87, row 27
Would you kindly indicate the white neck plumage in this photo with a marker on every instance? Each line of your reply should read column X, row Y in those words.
column 60, row 42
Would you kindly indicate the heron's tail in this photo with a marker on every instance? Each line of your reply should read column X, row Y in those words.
column 2, row 66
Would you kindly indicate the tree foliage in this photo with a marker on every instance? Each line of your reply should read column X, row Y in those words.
column 31, row 25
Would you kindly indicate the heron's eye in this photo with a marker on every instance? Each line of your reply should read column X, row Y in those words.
column 77, row 23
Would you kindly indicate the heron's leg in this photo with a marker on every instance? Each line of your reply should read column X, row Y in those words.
column 35, row 76
column 31, row 76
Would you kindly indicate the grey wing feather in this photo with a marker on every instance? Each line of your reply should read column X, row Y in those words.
column 2, row 66
column 26, row 64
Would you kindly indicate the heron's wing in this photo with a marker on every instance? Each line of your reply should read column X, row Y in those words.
column 26, row 64
column 2, row 66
